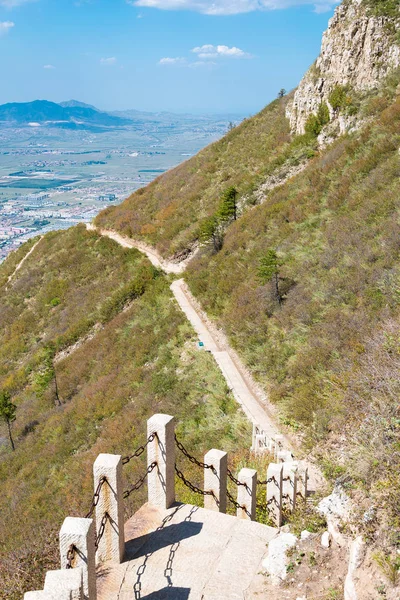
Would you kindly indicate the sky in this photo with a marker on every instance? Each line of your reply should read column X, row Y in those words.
column 196, row 56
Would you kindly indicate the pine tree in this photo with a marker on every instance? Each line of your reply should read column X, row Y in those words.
column 269, row 271
column 228, row 206
column 7, row 413
column 210, row 232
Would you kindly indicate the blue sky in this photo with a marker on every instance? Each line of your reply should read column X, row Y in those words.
column 178, row 55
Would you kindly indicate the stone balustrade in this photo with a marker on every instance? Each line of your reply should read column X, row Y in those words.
column 85, row 542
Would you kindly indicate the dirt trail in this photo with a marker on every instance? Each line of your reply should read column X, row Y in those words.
column 246, row 391
column 154, row 257
column 19, row 265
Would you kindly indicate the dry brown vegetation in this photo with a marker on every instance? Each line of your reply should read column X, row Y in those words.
column 142, row 361
column 335, row 228
column 167, row 212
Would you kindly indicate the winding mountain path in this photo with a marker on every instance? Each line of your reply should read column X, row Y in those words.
column 245, row 390
column 154, row 257
column 21, row 262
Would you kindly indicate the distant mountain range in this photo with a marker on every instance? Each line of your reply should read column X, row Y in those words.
column 67, row 115
column 73, row 114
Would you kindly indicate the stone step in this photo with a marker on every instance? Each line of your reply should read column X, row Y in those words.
column 186, row 552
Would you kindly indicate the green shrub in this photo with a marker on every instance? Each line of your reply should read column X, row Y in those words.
column 338, row 97
column 313, row 126
column 323, row 114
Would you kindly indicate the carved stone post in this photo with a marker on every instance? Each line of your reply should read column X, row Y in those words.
column 215, row 480
column 112, row 543
column 45, row 595
column 274, row 492
column 289, row 488
column 80, row 534
column 247, row 494
column 302, row 482
column 65, row 581
column 278, row 445
column 161, row 481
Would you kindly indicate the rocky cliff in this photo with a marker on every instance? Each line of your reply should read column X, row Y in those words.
column 358, row 50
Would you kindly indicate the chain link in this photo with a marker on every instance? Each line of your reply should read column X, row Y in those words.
column 235, row 481
column 102, row 528
column 267, row 481
column 96, row 497
column 140, row 450
column 236, row 504
column 193, row 487
column 70, row 556
column 170, row 561
column 140, row 482
column 192, row 458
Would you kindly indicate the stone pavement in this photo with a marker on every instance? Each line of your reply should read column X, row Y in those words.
column 186, row 552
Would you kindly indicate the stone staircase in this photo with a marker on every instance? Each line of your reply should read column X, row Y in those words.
column 168, row 549
column 185, row 552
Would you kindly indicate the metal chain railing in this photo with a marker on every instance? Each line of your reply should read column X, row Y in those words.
column 140, row 450
column 192, row 459
column 102, row 528
column 96, row 497
column 71, row 553
column 265, row 506
column 236, row 504
column 193, row 487
column 236, row 481
column 266, row 481
column 140, row 482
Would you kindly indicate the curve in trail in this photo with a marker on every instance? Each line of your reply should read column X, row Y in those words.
column 21, row 262
column 154, row 257
column 238, row 379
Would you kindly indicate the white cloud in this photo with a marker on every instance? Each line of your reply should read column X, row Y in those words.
column 108, row 61
column 5, row 27
column 167, row 61
column 209, row 51
column 49, row 67
column 231, row 7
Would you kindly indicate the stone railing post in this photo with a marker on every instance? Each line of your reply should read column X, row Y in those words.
column 80, row 534
column 289, row 488
column 65, row 581
column 246, row 496
column 112, row 543
column 161, row 481
column 274, row 492
column 302, row 482
column 278, row 445
column 46, row 595
column 215, row 480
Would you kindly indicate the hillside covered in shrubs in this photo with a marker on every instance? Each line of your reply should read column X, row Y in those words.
column 321, row 331
column 91, row 346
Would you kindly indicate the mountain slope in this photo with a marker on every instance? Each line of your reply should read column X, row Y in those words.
column 167, row 212
column 326, row 347
column 77, row 104
column 91, row 346
column 318, row 324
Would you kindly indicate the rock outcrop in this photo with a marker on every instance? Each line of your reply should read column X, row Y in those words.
column 358, row 50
